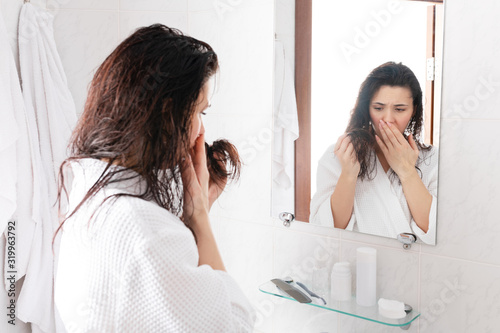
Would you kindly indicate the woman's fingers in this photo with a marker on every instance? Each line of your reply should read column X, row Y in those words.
column 351, row 152
column 195, row 178
column 190, row 183
column 188, row 171
column 340, row 140
column 198, row 152
column 412, row 142
column 382, row 145
column 388, row 134
column 400, row 153
column 383, row 134
column 349, row 149
column 346, row 154
column 397, row 134
column 200, row 159
column 346, row 141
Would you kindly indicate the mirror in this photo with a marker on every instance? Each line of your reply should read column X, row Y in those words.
column 345, row 45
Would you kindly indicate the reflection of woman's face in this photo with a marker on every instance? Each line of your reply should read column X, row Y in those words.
column 202, row 104
column 393, row 105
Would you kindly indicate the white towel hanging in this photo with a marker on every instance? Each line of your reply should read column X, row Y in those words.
column 11, row 105
column 286, row 125
column 285, row 132
column 51, row 114
column 15, row 173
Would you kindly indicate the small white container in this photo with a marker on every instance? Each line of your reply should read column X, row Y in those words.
column 341, row 281
column 366, row 276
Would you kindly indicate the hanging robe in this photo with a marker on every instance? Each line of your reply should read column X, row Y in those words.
column 50, row 109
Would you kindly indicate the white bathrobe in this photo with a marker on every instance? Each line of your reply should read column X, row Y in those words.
column 134, row 267
column 11, row 108
column 380, row 207
column 16, row 174
column 51, row 117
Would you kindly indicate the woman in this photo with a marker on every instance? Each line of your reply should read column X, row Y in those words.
column 379, row 178
column 137, row 251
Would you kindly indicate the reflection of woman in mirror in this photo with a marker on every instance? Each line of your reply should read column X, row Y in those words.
column 379, row 178
column 137, row 251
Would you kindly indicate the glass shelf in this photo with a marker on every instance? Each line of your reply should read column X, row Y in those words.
column 350, row 308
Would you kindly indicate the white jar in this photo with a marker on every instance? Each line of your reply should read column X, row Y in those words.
column 341, row 281
column 366, row 276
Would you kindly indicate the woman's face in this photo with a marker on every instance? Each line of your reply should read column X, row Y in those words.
column 197, row 122
column 393, row 105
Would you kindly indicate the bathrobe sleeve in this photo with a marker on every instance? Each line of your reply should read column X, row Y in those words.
column 166, row 291
column 429, row 169
column 328, row 174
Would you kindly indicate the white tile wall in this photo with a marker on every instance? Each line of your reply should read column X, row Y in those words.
column 245, row 246
column 459, row 296
column 221, row 7
column 293, row 317
column 245, row 51
column 84, row 39
column 468, row 212
column 470, row 61
column 83, row 4
column 297, row 254
column 251, row 135
column 155, row 5
column 130, row 21
column 456, row 284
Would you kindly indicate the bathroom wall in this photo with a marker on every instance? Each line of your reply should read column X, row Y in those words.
column 241, row 32
column 456, row 284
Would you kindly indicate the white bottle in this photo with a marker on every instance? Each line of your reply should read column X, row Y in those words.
column 366, row 276
column 341, row 281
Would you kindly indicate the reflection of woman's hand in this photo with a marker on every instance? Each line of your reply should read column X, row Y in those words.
column 399, row 153
column 195, row 178
column 344, row 150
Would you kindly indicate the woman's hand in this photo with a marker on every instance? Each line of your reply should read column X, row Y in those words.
column 342, row 198
column 214, row 189
column 344, row 150
column 195, row 179
column 399, row 153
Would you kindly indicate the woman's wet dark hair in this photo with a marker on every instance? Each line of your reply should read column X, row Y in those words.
column 138, row 115
column 360, row 129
